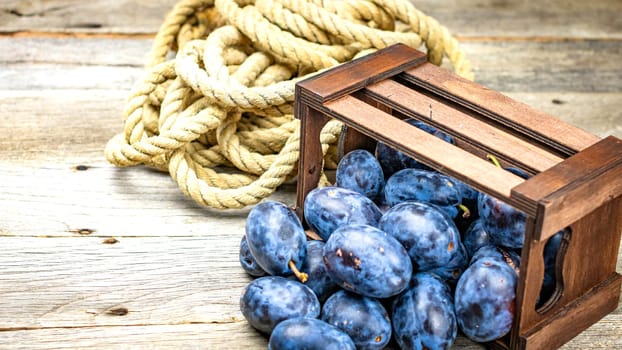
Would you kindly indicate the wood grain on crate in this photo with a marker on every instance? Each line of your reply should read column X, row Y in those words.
column 66, row 69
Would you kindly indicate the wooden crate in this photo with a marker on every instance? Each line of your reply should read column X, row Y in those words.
column 576, row 182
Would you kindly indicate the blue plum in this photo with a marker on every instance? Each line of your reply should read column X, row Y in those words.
column 469, row 194
column 428, row 233
column 364, row 319
column 319, row 281
column 452, row 211
column 268, row 300
column 549, row 282
column 491, row 251
column 452, row 271
column 423, row 316
column 308, row 334
column 367, row 261
column 360, row 171
column 485, row 299
column 469, row 201
column 393, row 160
column 328, row 208
column 551, row 248
column 475, row 237
column 422, row 186
column 247, row 260
column 276, row 238
column 504, row 223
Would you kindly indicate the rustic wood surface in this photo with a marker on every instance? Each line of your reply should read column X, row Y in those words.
column 172, row 279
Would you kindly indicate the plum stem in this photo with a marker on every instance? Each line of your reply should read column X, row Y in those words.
column 303, row 277
column 466, row 213
column 494, row 160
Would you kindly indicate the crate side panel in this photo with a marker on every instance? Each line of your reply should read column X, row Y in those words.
column 589, row 260
column 575, row 318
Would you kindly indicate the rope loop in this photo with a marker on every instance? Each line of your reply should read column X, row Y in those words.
column 215, row 107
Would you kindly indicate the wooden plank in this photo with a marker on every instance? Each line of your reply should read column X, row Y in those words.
column 231, row 335
column 124, row 52
column 570, row 66
column 354, row 75
column 598, row 113
column 540, row 20
column 67, row 16
column 465, row 126
column 169, row 285
column 234, row 336
column 477, row 19
column 55, row 199
column 60, row 76
column 81, row 281
column 43, row 128
column 508, row 67
column 48, row 135
column 603, row 335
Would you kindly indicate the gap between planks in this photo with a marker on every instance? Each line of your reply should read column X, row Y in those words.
column 31, row 328
column 74, row 34
column 151, row 35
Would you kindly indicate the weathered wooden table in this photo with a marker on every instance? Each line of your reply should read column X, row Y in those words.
column 172, row 279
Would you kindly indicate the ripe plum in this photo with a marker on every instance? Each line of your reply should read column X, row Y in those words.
column 485, row 299
column 423, row 315
column 308, row 334
column 423, row 186
column 268, row 300
column 360, row 171
column 504, row 223
column 247, row 260
column 475, row 237
column 328, row 208
column 276, row 238
column 367, row 261
column 428, row 233
column 319, row 281
column 364, row 319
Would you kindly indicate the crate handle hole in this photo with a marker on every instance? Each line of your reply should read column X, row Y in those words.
column 553, row 282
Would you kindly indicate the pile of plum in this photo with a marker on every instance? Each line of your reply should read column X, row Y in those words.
column 408, row 255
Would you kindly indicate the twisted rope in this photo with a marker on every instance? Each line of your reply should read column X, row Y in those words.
column 219, row 115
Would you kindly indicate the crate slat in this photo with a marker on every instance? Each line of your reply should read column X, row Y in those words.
column 538, row 125
column 463, row 126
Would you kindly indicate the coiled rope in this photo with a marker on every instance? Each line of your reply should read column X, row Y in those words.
column 218, row 115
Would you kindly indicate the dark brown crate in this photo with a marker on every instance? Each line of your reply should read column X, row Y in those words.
column 576, row 183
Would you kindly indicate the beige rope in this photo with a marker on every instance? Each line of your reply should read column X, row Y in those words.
column 215, row 108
